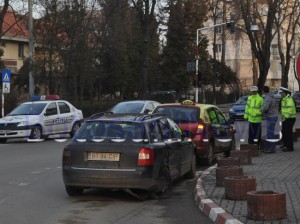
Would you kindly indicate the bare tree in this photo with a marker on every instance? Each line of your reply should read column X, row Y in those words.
column 146, row 11
column 263, row 12
column 286, row 23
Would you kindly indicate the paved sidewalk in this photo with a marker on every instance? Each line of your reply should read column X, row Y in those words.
column 278, row 172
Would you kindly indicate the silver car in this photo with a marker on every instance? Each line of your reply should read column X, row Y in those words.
column 134, row 106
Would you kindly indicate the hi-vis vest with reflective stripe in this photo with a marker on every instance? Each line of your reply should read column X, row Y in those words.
column 252, row 111
column 288, row 108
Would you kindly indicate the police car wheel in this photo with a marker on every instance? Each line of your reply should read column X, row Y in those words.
column 75, row 128
column 36, row 132
column 3, row 140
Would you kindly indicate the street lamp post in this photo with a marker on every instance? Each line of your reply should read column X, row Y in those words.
column 197, row 59
column 197, row 69
column 31, row 50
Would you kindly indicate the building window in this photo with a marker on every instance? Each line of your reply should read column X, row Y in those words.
column 218, row 29
column 21, row 50
column 275, row 49
column 275, row 53
column 219, row 13
column 218, row 47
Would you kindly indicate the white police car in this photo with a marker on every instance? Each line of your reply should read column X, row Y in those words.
column 38, row 119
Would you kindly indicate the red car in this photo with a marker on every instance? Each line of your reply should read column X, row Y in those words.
column 205, row 124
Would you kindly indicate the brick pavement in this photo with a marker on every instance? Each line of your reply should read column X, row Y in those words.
column 278, row 172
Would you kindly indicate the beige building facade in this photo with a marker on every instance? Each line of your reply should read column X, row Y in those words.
column 15, row 51
column 238, row 55
column 14, row 41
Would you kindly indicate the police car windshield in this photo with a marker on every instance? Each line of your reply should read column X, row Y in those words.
column 28, row 109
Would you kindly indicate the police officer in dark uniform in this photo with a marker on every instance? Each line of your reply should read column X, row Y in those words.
column 288, row 115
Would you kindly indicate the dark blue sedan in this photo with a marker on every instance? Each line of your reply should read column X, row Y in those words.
column 237, row 111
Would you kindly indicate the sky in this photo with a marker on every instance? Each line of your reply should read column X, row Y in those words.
column 21, row 6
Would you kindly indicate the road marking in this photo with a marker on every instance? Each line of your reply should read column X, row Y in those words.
column 3, row 200
column 23, row 184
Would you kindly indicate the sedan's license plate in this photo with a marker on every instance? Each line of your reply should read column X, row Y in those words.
column 103, row 156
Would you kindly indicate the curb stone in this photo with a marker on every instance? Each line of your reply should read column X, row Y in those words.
column 208, row 207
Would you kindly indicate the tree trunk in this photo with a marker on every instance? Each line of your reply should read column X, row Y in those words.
column 263, row 69
column 255, row 71
column 144, row 69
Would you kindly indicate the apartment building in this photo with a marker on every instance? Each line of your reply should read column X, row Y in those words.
column 238, row 53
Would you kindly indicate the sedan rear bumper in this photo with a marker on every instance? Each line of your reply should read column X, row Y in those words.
column 110, row 178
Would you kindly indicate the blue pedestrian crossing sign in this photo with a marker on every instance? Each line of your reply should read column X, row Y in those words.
column 6, row 75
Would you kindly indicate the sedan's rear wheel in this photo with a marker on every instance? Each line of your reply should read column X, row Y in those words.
column 3, row 140
column 208, row 160
column 73, row 191
column 165, row 185
column 232, row 148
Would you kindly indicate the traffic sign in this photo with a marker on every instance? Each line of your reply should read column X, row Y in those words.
column 6, row 87
column 6, row 75
column 190, row 66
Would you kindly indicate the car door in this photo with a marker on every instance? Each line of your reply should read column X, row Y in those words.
column 66, row 118
column 225, row 135
column 51, row 121
column 174, row 147
column 220, row 129
column 186, row 147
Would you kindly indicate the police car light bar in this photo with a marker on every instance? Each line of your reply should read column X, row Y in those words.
column 45, row 97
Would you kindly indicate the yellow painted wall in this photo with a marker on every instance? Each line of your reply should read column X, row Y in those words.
column 11, row 52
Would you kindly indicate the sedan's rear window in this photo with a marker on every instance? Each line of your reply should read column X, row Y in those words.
column 180, row 114
column 110, row 130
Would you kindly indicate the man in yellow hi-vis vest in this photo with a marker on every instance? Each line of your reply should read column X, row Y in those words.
column 254, row 115
column 288, row 116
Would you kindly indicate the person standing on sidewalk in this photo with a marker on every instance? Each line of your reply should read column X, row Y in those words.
column 288, row 114
column 270, row 110
column 254, row 115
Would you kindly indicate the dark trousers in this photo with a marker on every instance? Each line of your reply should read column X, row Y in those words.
column 287, row 133
column 254, row 133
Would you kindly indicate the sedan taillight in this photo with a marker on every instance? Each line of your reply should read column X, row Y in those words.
column 146, row 157
column 66, row 156
column 200, row 128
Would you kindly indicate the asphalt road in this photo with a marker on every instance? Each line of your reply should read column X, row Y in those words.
column 32, row 192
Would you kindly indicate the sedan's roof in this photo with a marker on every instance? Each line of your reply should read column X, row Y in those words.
column 125, row 117
column 200, row 105
column 43, row 101
column 139, row 101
